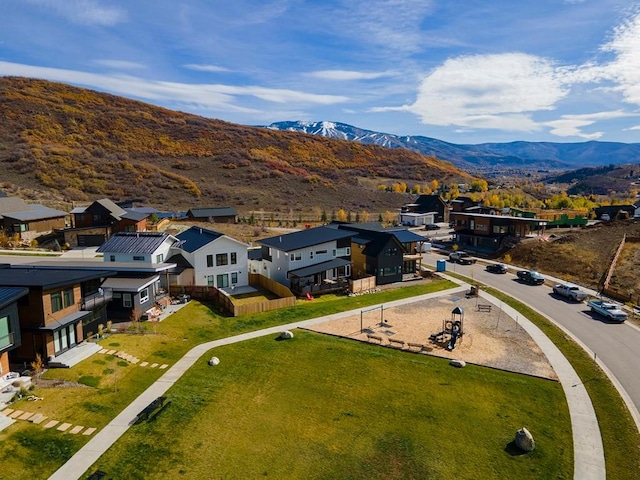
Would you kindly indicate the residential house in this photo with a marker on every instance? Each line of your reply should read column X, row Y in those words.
column 51, row 315
column 136, row 290
column 310, row 261
column 9, row 324
column 216, row 259
column 488, row 234
column 29, row 220
column 213, row 214
column 564, row 218
column 94, row 224
column 388, row 254
column 433, row 206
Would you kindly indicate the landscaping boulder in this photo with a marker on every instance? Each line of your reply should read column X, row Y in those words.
column 524, row 440
column 458, row 363
column 213, row 361
column 286, row 335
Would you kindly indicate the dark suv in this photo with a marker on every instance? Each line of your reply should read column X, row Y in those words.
column 530, row 276
column 432, row 226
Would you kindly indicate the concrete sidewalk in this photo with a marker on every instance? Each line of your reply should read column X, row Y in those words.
column 588, row 451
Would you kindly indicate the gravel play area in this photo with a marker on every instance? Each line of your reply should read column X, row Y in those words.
column 489, row 336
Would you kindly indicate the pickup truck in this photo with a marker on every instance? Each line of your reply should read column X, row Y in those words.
column 463, row 258
column 608, row 310
column 572, row 292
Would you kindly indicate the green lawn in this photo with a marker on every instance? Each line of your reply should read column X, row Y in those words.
column 328, row 408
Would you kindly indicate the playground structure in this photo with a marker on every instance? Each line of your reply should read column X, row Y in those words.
column 381, row 323
column 452, row 330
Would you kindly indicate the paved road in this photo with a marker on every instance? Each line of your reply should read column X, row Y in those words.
column 616, row 346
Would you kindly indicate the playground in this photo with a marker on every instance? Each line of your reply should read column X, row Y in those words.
column 450, row 326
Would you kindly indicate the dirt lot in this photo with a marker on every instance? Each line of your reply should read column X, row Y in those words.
column 490, row 338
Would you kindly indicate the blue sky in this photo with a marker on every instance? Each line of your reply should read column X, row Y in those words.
column 461, row 71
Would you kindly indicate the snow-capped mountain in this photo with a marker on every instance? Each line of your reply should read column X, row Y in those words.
column 485, row 156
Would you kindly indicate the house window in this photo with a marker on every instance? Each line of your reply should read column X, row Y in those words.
column 6, row 339
column 296, row 256
column 321, row 252
column 234, row 258
column 138, row 258
column 210, row 281
column 311, row 255
column 391, row 252
column 112, row 258
column 144, row 295
column 67, row 297
column 126, row 300
column 222, row 259
column 56, row 302
column 160, row 258
column 222, row 280
column 234, row 277
column 209, row 260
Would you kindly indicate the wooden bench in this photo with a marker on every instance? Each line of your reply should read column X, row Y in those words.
column 145, row 414
column 484, row 308
column 393, row 342
column 374, row 337
column 417, row 346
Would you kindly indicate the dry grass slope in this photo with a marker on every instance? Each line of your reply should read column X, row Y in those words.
column 67, row 143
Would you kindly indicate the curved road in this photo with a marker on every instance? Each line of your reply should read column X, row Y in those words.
column 616, row 346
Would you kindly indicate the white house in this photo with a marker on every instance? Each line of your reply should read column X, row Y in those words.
column 217, row 260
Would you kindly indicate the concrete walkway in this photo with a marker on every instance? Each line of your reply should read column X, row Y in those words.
column 588, row 451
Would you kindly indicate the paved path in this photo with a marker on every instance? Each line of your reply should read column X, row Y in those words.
column 588, row 453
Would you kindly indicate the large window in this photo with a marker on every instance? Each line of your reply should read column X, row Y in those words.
column 6, row 338
column 67, row 297
column 209, row 260
column 222, row 280
column 56, row 301
column 144, row 296
column 222, row 259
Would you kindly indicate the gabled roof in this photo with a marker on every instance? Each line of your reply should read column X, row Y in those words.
column 305, row 238
column 45, row 278
column 135, row 242
column 195, row 238
column 9, row 295
column 372, row 229
column 201, row 212
column 113, row 208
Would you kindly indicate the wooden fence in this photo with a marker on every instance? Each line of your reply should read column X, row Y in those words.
column 362, row 284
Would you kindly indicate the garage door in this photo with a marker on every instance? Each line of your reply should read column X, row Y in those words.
column 90, row 240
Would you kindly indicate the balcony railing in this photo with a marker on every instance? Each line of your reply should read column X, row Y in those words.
column 97, row 299
column 6, row 340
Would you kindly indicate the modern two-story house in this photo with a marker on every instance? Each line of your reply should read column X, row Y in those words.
column 314, row 260
column 216, row 260
column 52, row 313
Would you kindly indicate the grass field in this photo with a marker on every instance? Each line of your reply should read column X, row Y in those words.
column 328, row 408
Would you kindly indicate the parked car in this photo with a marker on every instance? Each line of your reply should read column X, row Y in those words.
column 432, row 226
column 496, row 268
column 572, row 292
column 608, row 310
column 531, row 277
column 463, row 258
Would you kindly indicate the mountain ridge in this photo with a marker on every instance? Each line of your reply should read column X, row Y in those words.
column 483, row 157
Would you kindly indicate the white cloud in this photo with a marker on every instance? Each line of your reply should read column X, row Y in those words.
column 624, row 70
column 209, row 96
column 571, row 125
column 83, row 12
column 340, row 75
column 635, row 127
column 489, row 91
column 119, row 64
column 205, row 68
